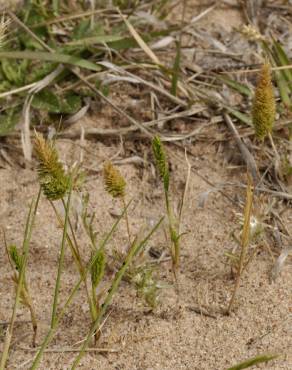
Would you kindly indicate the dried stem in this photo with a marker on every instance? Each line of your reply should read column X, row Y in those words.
column 244, row 241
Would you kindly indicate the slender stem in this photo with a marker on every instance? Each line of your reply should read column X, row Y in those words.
column 34, row 322
column 175, row 247
column 244, row 241
column 26, row 242
column 184, row 197
column 61, row 258
column 52, row 330
column 274, row 148
column 77, row 258
column 127, row 220
column 117, row 279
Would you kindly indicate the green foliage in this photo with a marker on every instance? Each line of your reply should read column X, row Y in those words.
column 8, row 121
column 48, row 101
column 80, row 43
column 253, row 361
column 14, row 71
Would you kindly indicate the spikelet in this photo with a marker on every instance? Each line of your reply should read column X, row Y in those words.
column 4, row 23
column 161, row 162
column 264, row 106
column 15, row 257
column 251, row 33
column 52, row 177
column 146, row 285
column 114, row 182
column 97, row 269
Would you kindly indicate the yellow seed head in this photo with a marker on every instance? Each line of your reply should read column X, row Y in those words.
column 114, row 182
column 264, row 106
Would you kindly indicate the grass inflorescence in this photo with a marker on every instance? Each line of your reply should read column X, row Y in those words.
column 53, row 179
column 264, row 106
column 162, row 166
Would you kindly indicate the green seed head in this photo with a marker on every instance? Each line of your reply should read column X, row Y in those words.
column 161, row 162
column 15, row 257
column 53, row 179
column 97, row 269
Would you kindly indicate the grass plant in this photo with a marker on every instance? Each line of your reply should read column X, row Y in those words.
column 59, row 185
column 20, row 289
column 56, row 64
column 163, row 170
column 245, row 238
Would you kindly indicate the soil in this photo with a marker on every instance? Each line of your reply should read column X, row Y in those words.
column 175, row 335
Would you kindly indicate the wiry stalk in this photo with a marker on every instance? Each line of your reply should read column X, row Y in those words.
column 77, row 257
column 61, row 258
column 244, row 241
column 162, row 166
column 26, row 242
column 127, row 221
column 135, row 248
column 53, row 329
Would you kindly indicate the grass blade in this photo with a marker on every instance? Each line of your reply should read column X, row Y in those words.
column 50, row 57
column 283, row 60
column 140, row 41
column 175, row 72
column 244, row 240
column 276, row 56
column 93, row 40
column 239, row 115
column 253, row 361
column 237, row 86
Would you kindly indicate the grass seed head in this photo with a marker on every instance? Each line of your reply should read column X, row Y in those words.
column 97, row 269
column 53, row 179
column 146, row 285
column 264, row 107
column 114, row 182
column 161, row 162
column 15, row 257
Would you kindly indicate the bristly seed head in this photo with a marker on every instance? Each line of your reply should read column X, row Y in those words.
column 98, row 268
column 161, row 162
column 114, row 182
column 264, row 106
column 53, row 179
column 15, row 257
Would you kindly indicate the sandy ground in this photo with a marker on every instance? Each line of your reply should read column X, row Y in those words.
column 172, row 336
